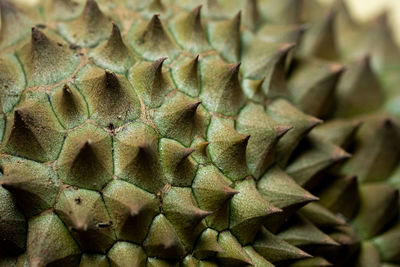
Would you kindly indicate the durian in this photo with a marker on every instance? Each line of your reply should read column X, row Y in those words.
column 197, row 133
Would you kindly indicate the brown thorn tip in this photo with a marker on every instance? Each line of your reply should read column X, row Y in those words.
column 286, row 47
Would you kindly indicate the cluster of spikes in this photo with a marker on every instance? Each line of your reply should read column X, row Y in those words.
column 164, row 133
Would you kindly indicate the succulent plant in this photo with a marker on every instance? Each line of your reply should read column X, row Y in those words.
column 180, row 133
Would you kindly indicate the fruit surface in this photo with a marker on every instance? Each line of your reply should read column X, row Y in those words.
column 180, row 133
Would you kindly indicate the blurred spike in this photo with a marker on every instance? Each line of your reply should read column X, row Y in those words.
column 225, row 37
column 188, row 31
column 320, row 40
column 380, row 200
column 87, row 30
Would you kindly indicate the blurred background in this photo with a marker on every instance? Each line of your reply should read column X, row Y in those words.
column 361, row 9
column 365, row 9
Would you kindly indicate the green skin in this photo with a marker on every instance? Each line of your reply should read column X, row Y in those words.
column 132, row 136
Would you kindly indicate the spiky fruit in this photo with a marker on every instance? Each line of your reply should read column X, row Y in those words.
column 164, row 133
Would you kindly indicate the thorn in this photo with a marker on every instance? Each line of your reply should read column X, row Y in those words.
column 187, row 152
column 159, row 63
column 284, row 48
column 192, row 107
column 281, row 129
column 336, row 68
column 38, row 36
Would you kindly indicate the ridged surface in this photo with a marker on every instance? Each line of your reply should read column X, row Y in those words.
column 164, row 133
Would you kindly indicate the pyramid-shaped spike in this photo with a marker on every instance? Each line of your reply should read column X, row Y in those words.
column 281, row 190
column 320, row 40
column 359, row 90
column 317, row 156
column 368, row 254
column 313, row 87
column 211, row 188
column 339, row 132
column 277, row 33
column 186, row 76
column 253, row 88
column 111, row 98
column 113, row 54
column 131, row 209
column 200, row 153
column 13, row 224
column 382, row 201
column 387, row 243
column 156, row 6
column 301, row 232
column 162, row 240
column 378, row 149
column 180, row 118
column 275, row 249
column 349, row 242
column 251, row 14
column 341, row 195
column 264, row 135
column 227, row 148
column 84, row 213
column 151, row 82
column 207, row 245
column 89, row 259
column 46, row 61
column 320, row 216
column 381, row 43
column 63, row 10
column 87, row 30
column 283, row 112
column 44, row 246
column 33, row 185
column 69, row 106
column 188, row 31
column 136, row 157
column 15, row 23
column 224, row 36
column 256, row 258
column 179, row 167
column 233, row 253
column 282, row 11
column 245, row 221
column 86, row 159
column 151, row 39
column 134, row 255
column 181, row 210
column 268, row 61
column 344, row 16
column 221, row 89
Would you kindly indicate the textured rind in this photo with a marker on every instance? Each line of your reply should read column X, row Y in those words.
column 166, row 133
